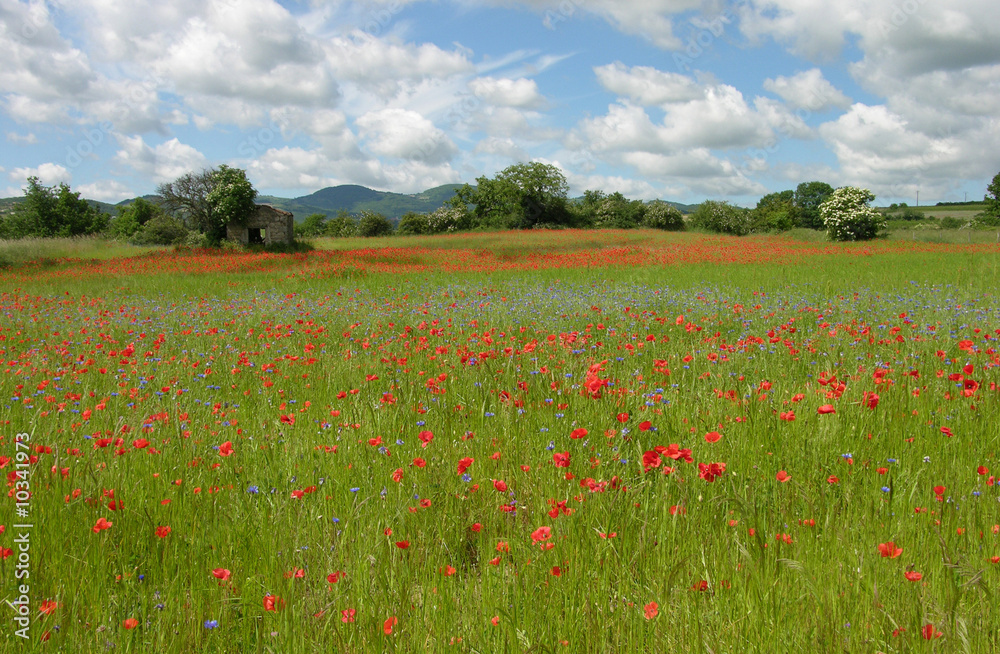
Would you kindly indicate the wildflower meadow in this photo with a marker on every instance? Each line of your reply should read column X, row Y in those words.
column 533, row 441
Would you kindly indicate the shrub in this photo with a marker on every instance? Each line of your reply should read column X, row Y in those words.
column 721, row 218
column 162, row 230
column 848, row 216
column 413, row 224
column 374, row 224
column 660, row 215
column 950, row 222
column 447, row 219
column 343, row 226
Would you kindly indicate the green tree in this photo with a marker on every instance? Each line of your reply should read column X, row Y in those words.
column 132, row 217
column 161, row 230
column 519, row 197
column 775, row 212
column 373, row 224
column 618, row 212
column 722, row 218
column 660, row 215
column 412, row 224
column 848, row 215
column 808, row 197
column 206, row 201
column 313, row 225
column 342, row 226
column 53, row 211
column 992, row 197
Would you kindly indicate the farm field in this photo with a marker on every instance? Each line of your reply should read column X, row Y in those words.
column 554, row 442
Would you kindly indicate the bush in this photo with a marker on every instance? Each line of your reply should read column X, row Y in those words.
column 986, row 220
column 162, row 230
column 373, row 224
column 721, row 218
column 412, row 224
column 447, row 219
column 343, row 226
column 660, row 215
column 848, row 216
column 952, row 223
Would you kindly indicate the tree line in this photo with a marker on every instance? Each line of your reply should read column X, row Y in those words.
column 196, row 207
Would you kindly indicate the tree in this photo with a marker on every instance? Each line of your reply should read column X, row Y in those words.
column 313, row 225
column 848, row 216
column 208, row 200
column 519, row 197
column 132, row 217
column 992, row 198
column 52, row 211
column 161, row 230
column 373, row 224
column 342, row 226
column 722, row 218
column 775, row 212
column 808, row 197
column 660, row 215
column 413, row 224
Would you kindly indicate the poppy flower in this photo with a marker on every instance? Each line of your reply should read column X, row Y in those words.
column 402, row 544
column 500, row 485
column 287, row 420
column 825, row 409
column 556, row 571
column 476, row 527
column 464, row 463
column 561, row 459
column 889, row 550
column 782, row 476
column 929, row 633
column 419, row 463
column 272, row 603
column 651, row 610
column 389, row 624
column 645, row 425
column 221, row 574
column 712, row 437
column 425, row 438
column 334, row 577
column 578, row 433
column 913, row 575
column 622, row 417
column 347, row 615
column 162, row 531
column 447, row 570
column 540, row 534
column 130, row 623
column 226, row 449
column 101, row 525
column 397, row 475
column 48, row 607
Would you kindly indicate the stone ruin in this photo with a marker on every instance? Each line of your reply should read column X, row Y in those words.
column 266, row 225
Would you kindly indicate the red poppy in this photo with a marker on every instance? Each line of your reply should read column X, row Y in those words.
column 939, row 490
column 556, row 571
column 162, row 531
column 651, row 610
column 272, row 603
column 425, row 438
column 402, row 544
column 288, row 420
column 928, row 632
column 645, row 425
column 913, row 575
column 651, row 459
column 782, row 476
column 540, row 534
column 389, row 624
column 889, row 550
column 712, row 437
column 500, row 485
column 347, row 615
column 48, row 607
column 130, row 623
column 397, row 475
column 447, row 571
column 825, row 409
column 101, row 525
column 622, row 417
column 335, row 577
column 226, row 448
column 579, row 432
column 464, row 463
column 983, row 470
column 832, row 479
column 418, row 462
column 561, row 459
column 221, row 573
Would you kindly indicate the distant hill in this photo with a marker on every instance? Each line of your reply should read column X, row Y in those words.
column 354, row 199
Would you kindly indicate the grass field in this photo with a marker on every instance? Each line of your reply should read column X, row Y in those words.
column 547, row 442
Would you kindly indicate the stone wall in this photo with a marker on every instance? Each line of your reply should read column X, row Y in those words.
column 277, row 226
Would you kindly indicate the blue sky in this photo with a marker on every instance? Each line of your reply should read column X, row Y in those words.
column 674, row 99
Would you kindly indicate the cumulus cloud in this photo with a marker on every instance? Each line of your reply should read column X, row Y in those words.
column 48, row 174
column 405, row 134
column 522, row 93
column 106, row 191
column 648, row 86
column 808, row 90
column 161, row 163
column 22, row 139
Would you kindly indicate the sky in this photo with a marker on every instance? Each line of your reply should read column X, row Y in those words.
column 681, row 100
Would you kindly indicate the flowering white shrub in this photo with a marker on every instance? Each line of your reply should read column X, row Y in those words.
column 446, row 219
column 848, row 216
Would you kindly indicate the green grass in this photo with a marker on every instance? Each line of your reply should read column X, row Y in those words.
column 236, row 357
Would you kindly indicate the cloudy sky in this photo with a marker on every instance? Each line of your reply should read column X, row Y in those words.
column 676, row 99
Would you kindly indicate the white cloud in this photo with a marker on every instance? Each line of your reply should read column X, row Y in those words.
column 162, row 163
column 808, row 90
column 48, row 174
column 405, row 134
column 522, row 93
column 22, row 139
column 106, row 191
column 646, row 85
